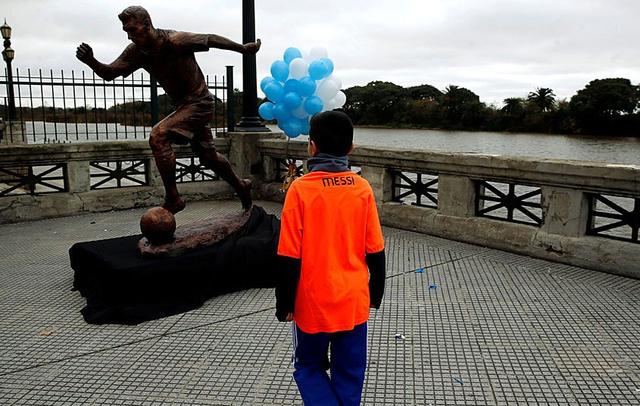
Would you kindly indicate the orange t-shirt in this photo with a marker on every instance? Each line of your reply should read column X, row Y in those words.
column 330, row 222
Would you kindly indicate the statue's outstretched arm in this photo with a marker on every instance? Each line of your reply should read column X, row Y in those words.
column 217, row 41
column 120, row 67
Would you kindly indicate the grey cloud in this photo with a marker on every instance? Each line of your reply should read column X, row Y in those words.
column 497, row 48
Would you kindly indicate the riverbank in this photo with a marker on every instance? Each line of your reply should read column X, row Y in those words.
column 413, row 127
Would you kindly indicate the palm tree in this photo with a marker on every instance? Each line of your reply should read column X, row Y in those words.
column 543, row 98
column 512, row 106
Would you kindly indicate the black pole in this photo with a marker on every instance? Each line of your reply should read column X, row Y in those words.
column 12, row 99
column 250, row 120
column 231, row 102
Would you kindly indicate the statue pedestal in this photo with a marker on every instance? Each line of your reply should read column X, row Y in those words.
column 196, row 235
column 122, row 286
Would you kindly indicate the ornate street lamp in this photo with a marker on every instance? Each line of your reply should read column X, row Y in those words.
column 8, row 55
column 6, row 31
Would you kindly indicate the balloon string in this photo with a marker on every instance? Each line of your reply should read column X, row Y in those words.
column 286, row 150
column 291, row 168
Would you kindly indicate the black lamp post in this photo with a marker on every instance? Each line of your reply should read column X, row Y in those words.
column 8, row 55
column 249, row 120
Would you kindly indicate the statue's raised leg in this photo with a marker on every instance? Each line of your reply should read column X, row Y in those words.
column 165, row 159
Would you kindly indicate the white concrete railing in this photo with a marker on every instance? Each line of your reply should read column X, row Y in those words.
column 54, row 180
column 564, row 194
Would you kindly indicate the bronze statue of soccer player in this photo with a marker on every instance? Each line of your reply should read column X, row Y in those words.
column 169, row 56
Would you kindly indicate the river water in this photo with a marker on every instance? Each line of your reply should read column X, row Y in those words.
column 620, row 150
column 584, row 148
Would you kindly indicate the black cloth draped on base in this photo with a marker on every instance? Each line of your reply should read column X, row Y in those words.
column 120, row 286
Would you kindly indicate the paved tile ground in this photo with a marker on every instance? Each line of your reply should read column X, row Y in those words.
column 480, row 327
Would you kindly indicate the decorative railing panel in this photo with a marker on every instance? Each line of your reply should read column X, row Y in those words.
column 509, row 202
column 33, row 179
column 418, row 189
column 118, row 174
column 614, row 217
column 190, row 170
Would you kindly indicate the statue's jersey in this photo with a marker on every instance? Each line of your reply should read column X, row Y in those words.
column 172, row 63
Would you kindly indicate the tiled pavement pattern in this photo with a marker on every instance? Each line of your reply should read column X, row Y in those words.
column 480, row 327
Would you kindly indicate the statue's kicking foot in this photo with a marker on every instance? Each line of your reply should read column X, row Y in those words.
column 245, row 194
column 174, row 205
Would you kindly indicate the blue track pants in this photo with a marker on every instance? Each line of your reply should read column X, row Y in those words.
column 347, row 365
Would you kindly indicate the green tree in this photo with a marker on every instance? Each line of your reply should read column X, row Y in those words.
column 423, row 113
column 513, row 106
column 424, row 92
column 543, row 98
column 605, row 106
column 561, row 121
column 377, row 103
column 607, row 97
column 461, row 108
column 510, row 117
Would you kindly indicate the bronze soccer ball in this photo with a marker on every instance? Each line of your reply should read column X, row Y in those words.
column 158, row 225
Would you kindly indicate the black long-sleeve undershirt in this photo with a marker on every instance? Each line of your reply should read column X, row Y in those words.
column 377, row 274
column 286, row 285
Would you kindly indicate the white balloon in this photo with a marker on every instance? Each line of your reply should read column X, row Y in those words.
column 327, row 90
column 317, row 53
column 336, row 80
column 299, row 112
column 339, row 100
column 297, row 68
column 330, row 105
column 306, row 57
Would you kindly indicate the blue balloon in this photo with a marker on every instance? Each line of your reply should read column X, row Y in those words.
column 281, row 125
column 292, row 100
column 329, row 64
column 306, row 86
column 281, row 113
column 266, row 110
column 274, row 91
column 291, row 128
column 292, row 85
column 280, row 70
column 313, row 105
column 264, row 82
column 304, row 126
column 291, row 53
column 318, row 69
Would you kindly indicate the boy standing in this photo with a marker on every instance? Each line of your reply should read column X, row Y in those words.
column 330, row 235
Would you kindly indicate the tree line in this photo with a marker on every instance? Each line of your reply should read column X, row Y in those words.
column 604, row 106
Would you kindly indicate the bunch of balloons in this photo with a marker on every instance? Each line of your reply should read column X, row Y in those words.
column 299, row 87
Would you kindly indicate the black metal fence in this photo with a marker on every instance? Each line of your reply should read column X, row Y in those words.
column 56, row 107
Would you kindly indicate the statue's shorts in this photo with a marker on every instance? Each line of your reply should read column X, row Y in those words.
column 189, row 124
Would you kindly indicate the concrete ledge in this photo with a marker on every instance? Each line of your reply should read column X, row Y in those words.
column 14, row 209
column 616, row 257
column 583, row 175
column 88, row 151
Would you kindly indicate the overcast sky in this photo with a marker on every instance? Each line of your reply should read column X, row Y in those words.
column 496, row 48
